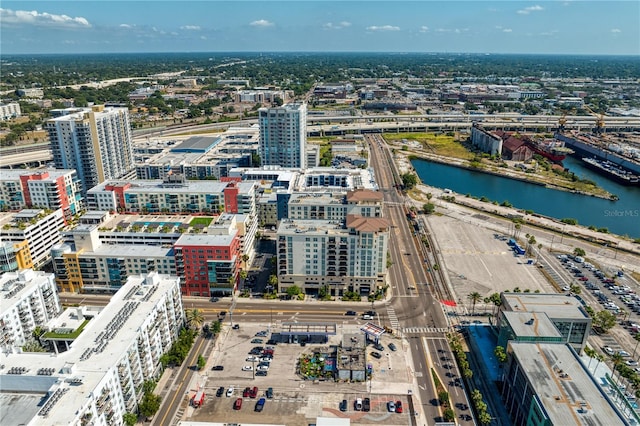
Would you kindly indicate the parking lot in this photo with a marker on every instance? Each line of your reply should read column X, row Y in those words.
column 482, row 260
column 296, row 401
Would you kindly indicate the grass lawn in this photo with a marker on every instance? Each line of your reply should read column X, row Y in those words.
column 76, row 333
column 437, row 144
column 201, row 221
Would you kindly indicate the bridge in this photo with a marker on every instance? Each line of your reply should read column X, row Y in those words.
column 34, row 155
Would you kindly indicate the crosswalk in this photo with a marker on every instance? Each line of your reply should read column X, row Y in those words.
column 422, row 330
column 393, row 318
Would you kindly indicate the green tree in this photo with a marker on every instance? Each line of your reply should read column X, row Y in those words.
column 449, row 415
column 201, row 362
column 484, row 417
column 443, row 397
column 149, row 405
column 37, row 333
column 575, row 289
column 604, row 321
column 500, row 354
column 428, row 208
column 494, row 299
column 215, row 327
column 475, row 297
column 579, row 252
column 129, row 419
column 409, row 180
column 294, row 290
column 195, row 318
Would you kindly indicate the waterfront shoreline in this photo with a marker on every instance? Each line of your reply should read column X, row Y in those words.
column 508, row 174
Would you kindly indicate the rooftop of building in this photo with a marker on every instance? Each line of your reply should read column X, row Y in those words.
column 197, row 144
column 161, row 187
column 555, row 305
column 317, row 227
column 317, row 198
column 12, row 220
column 44, row 174
column 14, row 285
column 104, row 338
column 531, row 324
column 222, row 240
column 567, row 391
column 363, row 194
column 367, row 224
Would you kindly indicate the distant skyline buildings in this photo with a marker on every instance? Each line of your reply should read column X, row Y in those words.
column 545, row 27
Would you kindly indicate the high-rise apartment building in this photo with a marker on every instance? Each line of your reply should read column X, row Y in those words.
column 51, row 189
column 96, row 142
column 283, row 135
column 28, row 299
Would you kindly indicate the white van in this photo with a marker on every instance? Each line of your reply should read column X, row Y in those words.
column 367, row 317
column 358, row 404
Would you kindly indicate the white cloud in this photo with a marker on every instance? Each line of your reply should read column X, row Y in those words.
column 507, row 30
column 549, row 33
column 616, row 30
column 203, row 38
column 190, row 27
column 528, row 10
column 44, row 19
column 383, row 28
column 423, row 29
column 261, row 23
column 338, row 26
column 125, row 26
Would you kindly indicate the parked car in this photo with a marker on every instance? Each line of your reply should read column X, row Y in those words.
column 357, row 405
column 366, row 404
column 245, row 392
column 252, row 358
column 398, row 407
column 343, row 405
column 230, row 392
column 378, row 347
column 253, row 393
column 608, row 350
column 217, row 368
column 351, row 313
column 269, row 393
column 261, row 373
column 391, row 406
column 376, row 354
column 259, row 405
column 236, row 326
column 247, row 368
column 393, row 347
column 631, row 362
column 262, row 333
column 257, row 341
column 237, row 404
column 220, row 391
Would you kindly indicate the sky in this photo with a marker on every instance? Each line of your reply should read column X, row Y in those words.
column 504, row 26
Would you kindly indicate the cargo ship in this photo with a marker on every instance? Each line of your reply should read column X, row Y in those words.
column 612, row 171
column 552, row 149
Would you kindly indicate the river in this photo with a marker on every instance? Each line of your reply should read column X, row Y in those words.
column 620, row 217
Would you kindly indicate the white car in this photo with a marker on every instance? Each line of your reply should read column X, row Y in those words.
column 262, row 368
column 230, row 392
column 632, row 363
column 247, row 368
column 608, row 350
column 252, row 359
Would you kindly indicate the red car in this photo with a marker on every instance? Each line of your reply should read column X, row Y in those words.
column 583, row 279
column 398, row 407
column 246, row 392
column 238, row 404
column 253, row 392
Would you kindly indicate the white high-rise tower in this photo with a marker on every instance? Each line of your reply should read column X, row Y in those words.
column 283, row 135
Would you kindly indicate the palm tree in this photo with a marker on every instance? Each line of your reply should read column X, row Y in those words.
column 637, row 337
column 195, row 318
column 591, row 353
column 616, row 358
column 475, row 297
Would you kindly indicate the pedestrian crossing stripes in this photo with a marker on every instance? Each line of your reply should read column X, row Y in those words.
column 420, row 330
column 393, row 318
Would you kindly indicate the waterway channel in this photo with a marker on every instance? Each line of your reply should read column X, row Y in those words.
column 620, row 217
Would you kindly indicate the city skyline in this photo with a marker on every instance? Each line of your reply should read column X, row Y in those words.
column 537, row 27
